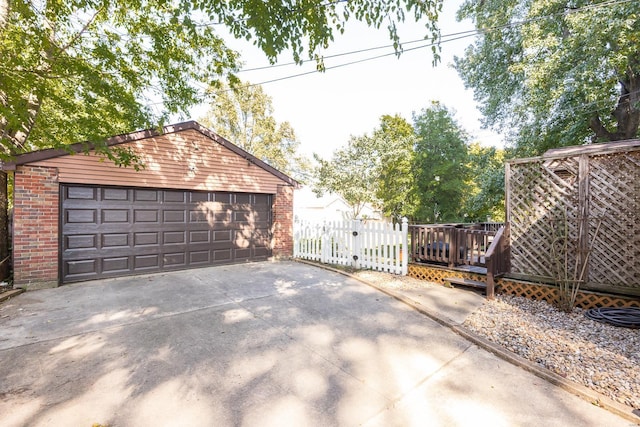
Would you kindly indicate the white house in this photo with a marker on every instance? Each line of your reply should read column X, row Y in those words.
column 330, row 207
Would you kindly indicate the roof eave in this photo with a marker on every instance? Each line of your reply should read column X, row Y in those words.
column 51, row 153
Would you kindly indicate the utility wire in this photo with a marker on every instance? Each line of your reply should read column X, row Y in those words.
column 454, row 37
column 462, row 35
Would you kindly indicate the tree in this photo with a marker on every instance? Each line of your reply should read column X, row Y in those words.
column 393, row 142
column 244, row 115
column 440, row 165
column 84, row 70
column 485, row 192
column 373, row 169
column 351, row 173
column 555, row 73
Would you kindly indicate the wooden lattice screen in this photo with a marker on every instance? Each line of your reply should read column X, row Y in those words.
column 597, row 184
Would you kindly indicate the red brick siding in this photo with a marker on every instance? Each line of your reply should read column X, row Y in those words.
column 283, row 222
column 35, row 226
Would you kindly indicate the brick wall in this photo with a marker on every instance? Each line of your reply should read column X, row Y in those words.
column 35, row 227
column 282, row 242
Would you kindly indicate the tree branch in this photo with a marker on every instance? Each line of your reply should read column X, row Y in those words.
column 62, row 49
column 599, row 130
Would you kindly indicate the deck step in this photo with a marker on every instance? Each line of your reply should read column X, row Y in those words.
column 465, row 282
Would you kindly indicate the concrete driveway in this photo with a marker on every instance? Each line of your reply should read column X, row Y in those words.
column 264, row 344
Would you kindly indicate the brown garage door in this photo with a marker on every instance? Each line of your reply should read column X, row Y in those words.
column 108, row 231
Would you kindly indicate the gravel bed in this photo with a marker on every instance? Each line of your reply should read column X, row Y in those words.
column 599, row 356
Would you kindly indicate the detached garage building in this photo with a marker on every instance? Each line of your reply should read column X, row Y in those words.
column 198, row 201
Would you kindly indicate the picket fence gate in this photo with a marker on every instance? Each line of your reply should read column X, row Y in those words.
column 356, row 243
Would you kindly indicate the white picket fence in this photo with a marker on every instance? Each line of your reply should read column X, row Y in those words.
column 362, row 245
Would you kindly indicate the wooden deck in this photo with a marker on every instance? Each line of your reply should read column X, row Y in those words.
column 471, row 269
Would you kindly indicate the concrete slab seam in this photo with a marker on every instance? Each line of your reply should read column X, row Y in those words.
column 120, row 325
column 591, row 396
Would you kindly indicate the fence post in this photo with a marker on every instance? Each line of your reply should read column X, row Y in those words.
column 357, row 247
column 405, row 246
column 453, row 246
column 325, row 242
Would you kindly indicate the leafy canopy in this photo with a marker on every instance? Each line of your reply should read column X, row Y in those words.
column 555, row 72
column 88, row 69
column 439, row 165
column 372, row 169
column 351, row 173
column 244, row 114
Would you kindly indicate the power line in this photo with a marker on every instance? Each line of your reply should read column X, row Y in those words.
column 463, row 34
column 353, row 52
column 450, row 37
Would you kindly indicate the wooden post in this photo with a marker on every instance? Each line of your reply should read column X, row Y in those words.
column 453, row 246
column 507, row 193
column 583, row 214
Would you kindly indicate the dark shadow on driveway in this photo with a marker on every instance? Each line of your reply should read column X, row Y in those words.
column 253, row 344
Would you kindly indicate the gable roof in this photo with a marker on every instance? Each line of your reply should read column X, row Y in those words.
column 50, row 153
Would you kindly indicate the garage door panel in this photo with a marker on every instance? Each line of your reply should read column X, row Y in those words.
column 174, row 237
column 146, row 195
column 112, row 216
column 108, row 232
column 81, row 241
column 116, row 194
column 200, row 257
column 115, row 240
column 146, row 215
column 222, row 255
column 146, row 239
column 176, row 259
column 222, row 236
column 146, row 262
column 174, row 216
column 198, row 216
column 81, row 216
column 223, row 217
column 81, row 193
column 201, row 236
column 116, row 265
column 82, row 267
column 262, row 200
column 174, row 196
column 261, row 252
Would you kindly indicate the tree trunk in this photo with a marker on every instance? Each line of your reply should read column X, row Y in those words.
column 4, row 228
column 626, row 113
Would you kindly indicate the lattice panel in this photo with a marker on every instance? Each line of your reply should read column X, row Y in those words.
column 527, row 290
column 540, row 192
column 437, row 275
column 584, row 299
column 540, row 189
column 614, row 196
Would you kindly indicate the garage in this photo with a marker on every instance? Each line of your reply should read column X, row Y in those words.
column 197, row 200
column 110, row 231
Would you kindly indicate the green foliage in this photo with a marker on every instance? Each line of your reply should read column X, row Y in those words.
column 85, row 70
column 485, row 197
column 425, row 172
column 394, row 141
column 351, row 173
column 88, row 70
column 244, row 115
column 439, row 166
column 373, row 169
column 554, row 73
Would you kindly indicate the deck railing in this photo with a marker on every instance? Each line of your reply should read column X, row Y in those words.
column 451, row 244
column 498, row 258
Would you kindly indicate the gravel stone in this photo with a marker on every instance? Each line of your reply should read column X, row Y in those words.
column 600, row 356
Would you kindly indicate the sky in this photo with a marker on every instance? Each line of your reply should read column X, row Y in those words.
column 325, row 109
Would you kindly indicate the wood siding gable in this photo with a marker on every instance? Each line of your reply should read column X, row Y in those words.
column 186, row 156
